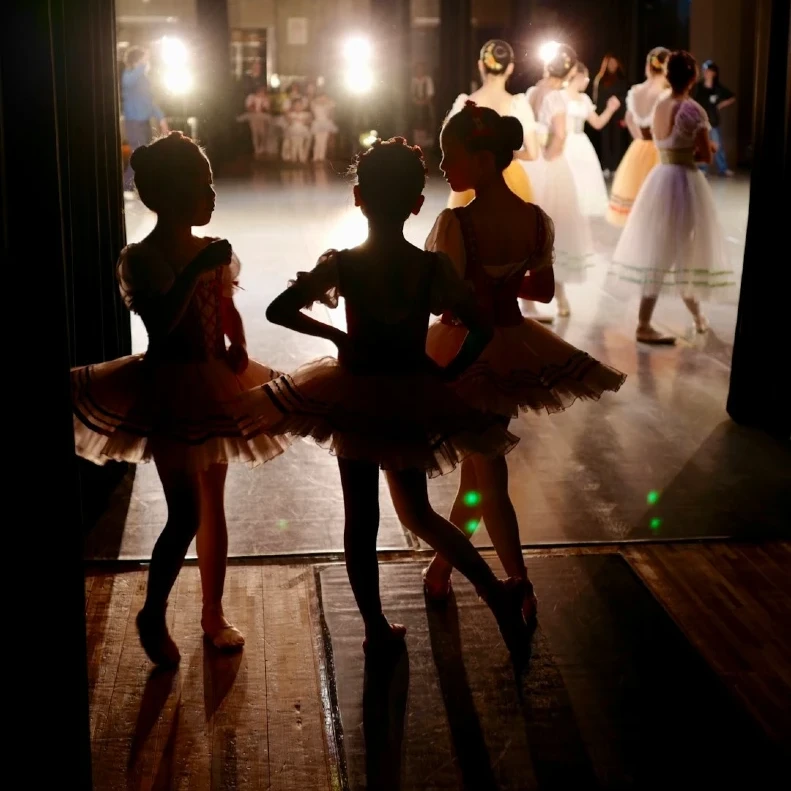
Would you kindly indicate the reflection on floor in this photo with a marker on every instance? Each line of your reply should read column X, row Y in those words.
column 658, row 460
column 265, row 719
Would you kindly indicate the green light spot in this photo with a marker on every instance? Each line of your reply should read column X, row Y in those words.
column 471, row 499
column 656, row 523
column 653, row 497
column 282, row 524
column 471, row 526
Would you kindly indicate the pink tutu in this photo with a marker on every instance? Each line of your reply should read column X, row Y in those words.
column 127, row 409
column 398, row 421
column 524, row 368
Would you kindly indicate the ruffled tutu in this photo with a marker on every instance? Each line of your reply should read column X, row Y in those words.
column 524, row 368
column 586, row 170
column 129, row 408
column 673, row 241
column 324, row 125
column 574, row 251
column 515, row 177
column 403, row 421
column 640, row 159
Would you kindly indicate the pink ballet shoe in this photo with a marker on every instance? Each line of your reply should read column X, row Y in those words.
column 436, row 593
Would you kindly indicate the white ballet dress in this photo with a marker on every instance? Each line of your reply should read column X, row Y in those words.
column 322, row 120
column 585, row 165
column 556, row 194
column 673, row 240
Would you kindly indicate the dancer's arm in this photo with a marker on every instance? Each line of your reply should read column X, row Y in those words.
column 557, row 137
column 286, row 309
column 600, row 120
column 632, row 126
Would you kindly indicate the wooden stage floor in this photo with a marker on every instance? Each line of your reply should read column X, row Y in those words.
column 261, row 719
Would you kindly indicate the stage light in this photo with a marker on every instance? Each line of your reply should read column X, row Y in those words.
column 359, row 81
column 367, row 139
column 178, row 81
column 548, row 50
column 174, row 52
column 274, row 81
column 357, row 50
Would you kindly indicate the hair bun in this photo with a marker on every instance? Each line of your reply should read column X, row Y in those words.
column 139, row 157
column 511, row 132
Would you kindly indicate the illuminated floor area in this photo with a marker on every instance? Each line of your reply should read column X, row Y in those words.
column 615, row 695
column 658, row 460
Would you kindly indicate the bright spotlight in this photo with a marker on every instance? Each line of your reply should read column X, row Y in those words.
column 367, row 139
column 359, row 81
column 357, row 50
column 274, row 81
column 548, row 50
column 174, row 52
column 178, row 81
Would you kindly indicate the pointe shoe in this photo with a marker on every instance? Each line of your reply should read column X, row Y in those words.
column 506, row 605
column 222, row 634
column 386, row 641
column 436, row 593
column 156, row 640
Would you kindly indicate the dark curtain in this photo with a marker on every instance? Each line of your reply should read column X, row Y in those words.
column 62, row 229
column 759, row 389
column 456, row 56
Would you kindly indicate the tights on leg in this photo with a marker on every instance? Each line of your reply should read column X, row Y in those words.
column 489, row 479
column 212, row 545
column 320, row 146
column 182, row 493
column 410, row 497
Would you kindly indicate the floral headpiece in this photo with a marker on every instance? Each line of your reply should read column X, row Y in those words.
column 491, row 63
column 479, row 127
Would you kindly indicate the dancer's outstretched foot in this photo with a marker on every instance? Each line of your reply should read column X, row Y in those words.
column 220, row 632
column 156, row 640
column 506, row 602
column 652, row 336
column 436, row 585
column 384, row 637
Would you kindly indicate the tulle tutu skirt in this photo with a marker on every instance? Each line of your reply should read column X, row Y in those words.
column 587, row 173
column 324, row 125
column 130, row 409
column 524, row 368
column 515, row 177
column 640, row 159
column 397, row 421
column 574, row 251
column 673, row 241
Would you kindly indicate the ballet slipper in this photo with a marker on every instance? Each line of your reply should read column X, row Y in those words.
column 224, row 636
column 652, row 336
column 156, row 640
column 701, row 324
column 436, row 593
column 387, row 640
column 506, row 601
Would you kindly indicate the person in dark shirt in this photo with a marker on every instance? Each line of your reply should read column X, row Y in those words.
column 713, row 96
column 611, row 81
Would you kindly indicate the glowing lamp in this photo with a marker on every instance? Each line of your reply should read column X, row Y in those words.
column 178, row 81
column 359, row 81
column 548, row 50
column 174, row 52
column 357, row 50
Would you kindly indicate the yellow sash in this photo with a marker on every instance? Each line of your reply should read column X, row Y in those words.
column 678, row 156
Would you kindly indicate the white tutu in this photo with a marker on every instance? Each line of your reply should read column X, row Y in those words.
column 324, row 125
column 556, row 193
column 588, row 178
column 574, row 252
column 673, row 240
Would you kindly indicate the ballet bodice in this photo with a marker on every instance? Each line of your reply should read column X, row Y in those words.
column 321, row 110
column 144, row 275
column 387, row 333
column 689, row 120
column 496, row 285
column 643, row 120
column 577, row 112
